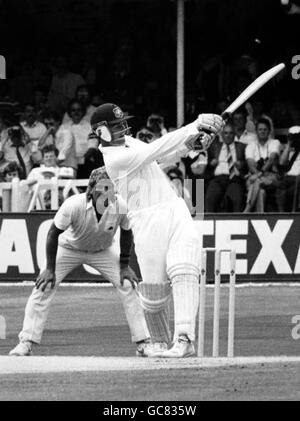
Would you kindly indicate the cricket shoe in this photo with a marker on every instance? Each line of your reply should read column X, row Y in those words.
column 150, row 349
column 156, row 349
column 23, row 349
column 182, row 348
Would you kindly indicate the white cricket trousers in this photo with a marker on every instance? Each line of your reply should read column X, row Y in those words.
column 106, row 262
column 167, row 246
column 165, row 239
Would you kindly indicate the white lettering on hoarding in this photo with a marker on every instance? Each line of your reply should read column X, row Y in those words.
column 297, row 264
column 41, row 242
column 204, row 228
column 271, row 251
column 15, row 246
column 224, row 231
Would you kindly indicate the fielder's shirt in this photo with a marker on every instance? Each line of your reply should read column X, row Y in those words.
column 82, row 231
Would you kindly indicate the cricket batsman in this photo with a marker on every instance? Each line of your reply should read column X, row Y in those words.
column 83, row 233
column 166, row 243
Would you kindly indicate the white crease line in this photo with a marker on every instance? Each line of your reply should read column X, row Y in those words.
column 52, row 364
column 109, row 285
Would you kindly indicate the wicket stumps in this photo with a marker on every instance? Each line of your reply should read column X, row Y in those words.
column 217, row 287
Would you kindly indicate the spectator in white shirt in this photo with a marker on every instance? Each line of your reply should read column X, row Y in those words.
column 288, row 190
column 35, row 130
column 62, row 138
column 262, row 158
column 49, row 167
column 241, row 133
column 80, row 129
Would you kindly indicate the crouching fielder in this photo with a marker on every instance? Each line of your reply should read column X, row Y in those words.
column 166, row 244
column 82, row 233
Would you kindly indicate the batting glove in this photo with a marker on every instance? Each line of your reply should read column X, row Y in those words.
column 199, row 142
column 211, row 123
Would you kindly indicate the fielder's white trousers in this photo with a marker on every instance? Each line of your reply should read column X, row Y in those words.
column 106, row 262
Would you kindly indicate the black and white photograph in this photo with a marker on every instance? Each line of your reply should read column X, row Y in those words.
column 149, row 203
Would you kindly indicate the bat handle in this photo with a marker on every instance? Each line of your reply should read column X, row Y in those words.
column 226, row 116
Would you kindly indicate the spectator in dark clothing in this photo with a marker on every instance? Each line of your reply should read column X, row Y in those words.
column 226, row 158
column 287, row 193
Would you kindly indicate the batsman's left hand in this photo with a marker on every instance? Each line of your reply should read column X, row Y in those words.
column 210, row 123
column 127, row 273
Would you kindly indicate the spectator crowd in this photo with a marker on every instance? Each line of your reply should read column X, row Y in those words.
column 250, row 167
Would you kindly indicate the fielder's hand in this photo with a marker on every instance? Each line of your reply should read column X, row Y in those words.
column 210, row 123
column 45, row 278
column 127, row 273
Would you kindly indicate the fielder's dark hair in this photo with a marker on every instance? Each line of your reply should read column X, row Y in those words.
column 264, row 121
column 95, row 177
column 49, row 148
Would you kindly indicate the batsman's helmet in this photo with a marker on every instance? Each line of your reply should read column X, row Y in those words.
column 105, row 117
column 109, row 114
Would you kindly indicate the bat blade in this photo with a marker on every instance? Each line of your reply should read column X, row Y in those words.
column 254, row 87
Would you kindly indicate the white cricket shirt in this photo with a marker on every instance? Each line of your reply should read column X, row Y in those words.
column 134, row 170
column 82, row 231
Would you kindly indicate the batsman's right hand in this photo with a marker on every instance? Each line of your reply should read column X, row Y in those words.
column 45, row 278
column 210, row 123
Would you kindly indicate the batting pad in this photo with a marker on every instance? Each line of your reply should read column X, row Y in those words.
column 186, row 301
column 158, row 325
column 154, row 297
column 183, row 260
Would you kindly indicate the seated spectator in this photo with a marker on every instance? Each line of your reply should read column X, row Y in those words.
column 7, row 173
column 241, row 133
column 226, row 158
column 287, row 193
column 155, row 124
column 80, row 130
column 62, row 138
column 83, row 95
column 3, row 161
column 34, row 130
column 10, row 171
column 49, row 167
column 262, row 158
column 63, row 85
column 16, row 148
